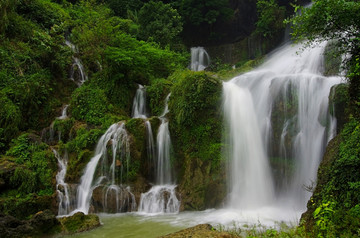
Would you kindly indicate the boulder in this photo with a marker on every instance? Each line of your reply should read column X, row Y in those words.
column 79, row 222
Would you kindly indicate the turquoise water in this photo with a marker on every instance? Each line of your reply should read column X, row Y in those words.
column 136, row 225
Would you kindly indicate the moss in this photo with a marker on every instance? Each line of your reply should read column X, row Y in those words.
column 339, row 104
column 337, row 188
column 136, row 128
column 89, row 104
column 196, row 132
column 157, row 92
column 63, row 128
column 79, row 222
column 332, row 60
column 23, row 208
column 76, row 165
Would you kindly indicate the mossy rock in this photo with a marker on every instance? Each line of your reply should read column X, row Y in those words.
column 77, row 164
column 63, row 128
column 332, row 59
column 201, row 187
column 79, row 222
column 324, row 172
column 200, row 231
column 339, row 104
column 23, row 208
column 136, row 127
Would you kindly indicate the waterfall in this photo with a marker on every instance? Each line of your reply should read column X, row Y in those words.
column 200, row 59
column 139, row 104
column 150, row 145
column 62, row 189
column 278, row 126
column 77, row 71
column 63, row 113
column 161, row 198
column 108, row 180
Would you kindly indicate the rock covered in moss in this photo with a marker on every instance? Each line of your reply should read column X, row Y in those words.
column 195, row 124
column 79, row 222
column 199, row 231
column 42, row 223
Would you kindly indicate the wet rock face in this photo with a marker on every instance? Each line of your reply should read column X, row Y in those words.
column 112, row 199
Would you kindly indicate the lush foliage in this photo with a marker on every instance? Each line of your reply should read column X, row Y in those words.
column 159, row 22
column 270, row 17
column 89, row 104
column 37, row 165
column 330, row 20
column 335, row 203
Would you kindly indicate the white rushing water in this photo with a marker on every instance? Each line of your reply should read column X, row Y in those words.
column 161, row 198
column 63, row 113
column 77, row 71
column 110, row 170
column 200, row 59
column 139, row 104
column 279, row 124
column 62, row 189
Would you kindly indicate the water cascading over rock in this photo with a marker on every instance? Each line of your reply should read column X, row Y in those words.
column 278, row 126
column 62, row 188
column 101, row 182
column 77, row 71
column 161, row 198
column 139, row 104
column 200, row 59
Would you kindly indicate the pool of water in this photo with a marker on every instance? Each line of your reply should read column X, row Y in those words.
column 154, row 225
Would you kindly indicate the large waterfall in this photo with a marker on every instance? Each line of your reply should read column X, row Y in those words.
column 278, row 126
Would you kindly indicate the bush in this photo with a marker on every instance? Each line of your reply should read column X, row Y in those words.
column 89, row 104
column 37, row 165
column 270, row 18
column 159, row 22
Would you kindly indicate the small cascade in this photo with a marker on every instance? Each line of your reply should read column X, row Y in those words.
column 62, row 189
column 278, row 126
column 139, row 104
column 161, row 198
column 48, row 134
column 200, row 59
column 139, row 111
column 63, row 113
column 77, row 71
column 163, row 168
column 102, row 178
column 150, row 145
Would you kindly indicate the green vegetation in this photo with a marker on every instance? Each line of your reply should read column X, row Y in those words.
column 333, row 208
column 125, row 43
column 270, row 18
column 159, row 22
column 79, row 222
column 196, row 126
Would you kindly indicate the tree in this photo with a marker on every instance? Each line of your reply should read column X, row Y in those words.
column 160, row 22
column 335, row 20
column 330, row 20
column 270, row 17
